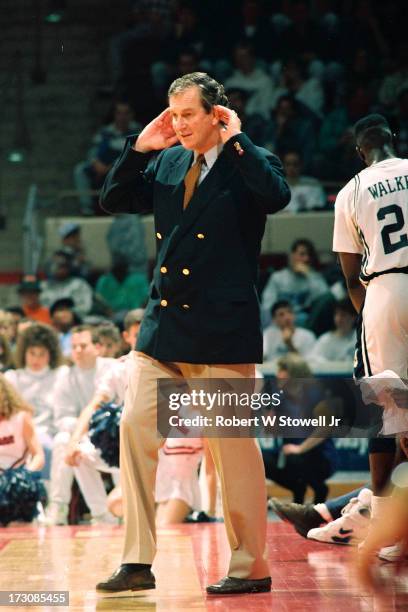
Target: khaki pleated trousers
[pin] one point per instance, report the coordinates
(238, 463)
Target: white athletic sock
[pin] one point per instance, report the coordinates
(324, 512)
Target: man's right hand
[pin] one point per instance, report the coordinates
(158, 134)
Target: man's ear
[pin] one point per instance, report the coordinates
(215, 120)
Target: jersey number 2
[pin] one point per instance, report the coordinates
(387, 230)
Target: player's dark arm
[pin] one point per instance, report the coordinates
(128, 186)
(262, 172)
(351, 266)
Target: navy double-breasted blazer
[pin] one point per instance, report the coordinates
(203, 305)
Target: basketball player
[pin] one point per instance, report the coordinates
(371, 238)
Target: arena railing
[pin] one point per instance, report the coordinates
(32, 239)
(64, 203)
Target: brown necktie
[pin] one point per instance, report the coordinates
(191, 180)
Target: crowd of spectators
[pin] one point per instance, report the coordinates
(299, 72)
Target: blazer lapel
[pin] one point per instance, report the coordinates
(219, 174)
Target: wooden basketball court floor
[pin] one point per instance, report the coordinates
(307, 576)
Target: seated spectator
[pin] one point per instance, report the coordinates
(283, 337)
(63, 284)
(336, 158)
(113, 384)
(253, 125)
(252, 79)
(80, 452)
(306, 192)
(107, 144)
(300, 284)
(122, 290)
(21, 459)
(6, 356)
(291, 129)
(107, 340)
(70, 233)
(18, 314)
(64, 318)
(131, 326)
(38, 361)
(75, 390)
(304, 460)
(126, 242)
(29, 291)
(295, 82)
(337, 345)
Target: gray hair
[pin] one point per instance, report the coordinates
(211, 91)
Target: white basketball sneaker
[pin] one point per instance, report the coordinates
(56, 514)
(391, 553)
(351, 527)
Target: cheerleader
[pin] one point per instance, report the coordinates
(21, 459)
(177, 490)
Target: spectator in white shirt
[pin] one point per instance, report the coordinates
(81, 454)
(295, 81)
(75, 390)
(339, 344)
(283, 337)
(248, 77)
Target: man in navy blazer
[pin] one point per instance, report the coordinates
(202, 319)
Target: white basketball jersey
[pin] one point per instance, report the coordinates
(371, 218)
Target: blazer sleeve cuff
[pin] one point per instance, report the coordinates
(239, 145)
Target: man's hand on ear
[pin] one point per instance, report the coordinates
(158, 134)
(230, 123)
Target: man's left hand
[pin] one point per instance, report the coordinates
(230, 120)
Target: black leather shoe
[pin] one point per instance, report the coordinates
(302, 516)
(237, 586)
(124, 580)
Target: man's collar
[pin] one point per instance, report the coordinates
(211, 155)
